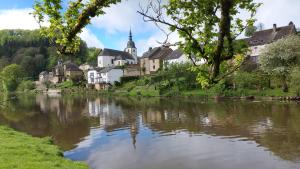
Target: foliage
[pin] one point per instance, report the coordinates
(20, 151)
(93, 54)
(32, 51)
(66, 84)
(280, 57)
(208, 29)
(67, 23)
(26, 85)
(254, 80)
(295, 80)
(126, 79)
(11, 76)
(249, 31)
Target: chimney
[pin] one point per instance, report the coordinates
(291, 24)
(274, 27)
(150, 48)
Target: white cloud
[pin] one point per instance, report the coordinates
(90, 39)
(17, 19)
(121, 17)
(279, 12)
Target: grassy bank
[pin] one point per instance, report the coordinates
(21, 151)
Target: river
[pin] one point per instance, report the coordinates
(163, 133)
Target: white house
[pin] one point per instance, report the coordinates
(260, 39)
(176, 57)
(111, 57)
(107, 75)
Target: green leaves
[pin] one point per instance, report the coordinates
(66, 23)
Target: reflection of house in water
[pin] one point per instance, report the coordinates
(66, 110)
(113, 117)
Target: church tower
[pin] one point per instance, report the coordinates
(131, 47)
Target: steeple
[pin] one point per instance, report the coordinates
(130, 43)
(130, 35)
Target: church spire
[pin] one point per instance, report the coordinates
(130, 35)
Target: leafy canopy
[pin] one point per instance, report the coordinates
(280, 57)
(66, 23)
(11, 76)
(208, 29)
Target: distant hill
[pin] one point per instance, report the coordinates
(34, 52)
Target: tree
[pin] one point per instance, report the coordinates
(208, 29)
(66, 23)
(260, 26)
(11, 76)
(280, 57)
(249, 31)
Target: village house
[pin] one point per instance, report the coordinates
(102, 78)
(153, 59)
(111, 57)
(260, 39)
(178, 57)
(132, 70)
(61, 72)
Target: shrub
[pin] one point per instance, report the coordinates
(295, 80)
(126, 79)
(66, 84)
(26, 85)
(11, 76)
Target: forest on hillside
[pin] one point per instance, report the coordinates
(35, 53)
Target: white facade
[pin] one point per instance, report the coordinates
(93, 77)
(105, 61)
(133, 52)
(181, 60)
(111, 76)
(255, 51)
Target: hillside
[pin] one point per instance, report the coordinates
(34, 52)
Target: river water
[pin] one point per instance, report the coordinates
(163, 133)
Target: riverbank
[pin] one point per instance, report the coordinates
(21, 151)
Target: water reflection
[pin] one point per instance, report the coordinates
(163, 133)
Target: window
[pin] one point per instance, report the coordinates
(92, 75)
(112, 61)
(153, 66)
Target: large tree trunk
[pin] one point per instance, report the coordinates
(224, 27)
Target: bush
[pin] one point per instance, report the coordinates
(295, 80)
(66, 84)
(126, 79)
(11, 77)
(254, 80)
(26, 86)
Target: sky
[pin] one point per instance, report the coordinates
(111, 30)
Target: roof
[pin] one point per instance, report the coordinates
(112, 52)
(270, 35)
(104, 69)
(44, 73)
(130, 43)
(157, 53)
(175, 54)
(70, 66)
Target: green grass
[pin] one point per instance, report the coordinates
(21, 151)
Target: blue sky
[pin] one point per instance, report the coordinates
(111, 30)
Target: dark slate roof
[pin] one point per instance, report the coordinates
(157, 53)
(175, 54)
(112, 52)
(70, 66)
(43, 73)
(270, 35)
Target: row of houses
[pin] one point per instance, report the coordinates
(114, 64)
